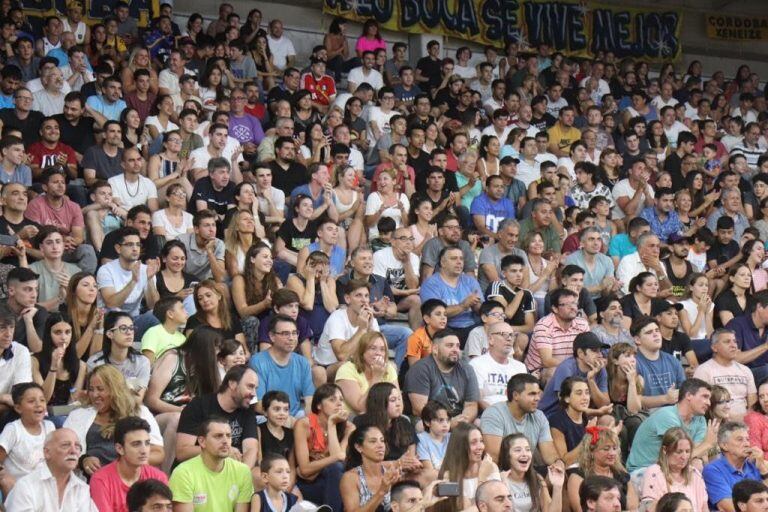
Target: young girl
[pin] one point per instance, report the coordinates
(276, 475)
(433, 442)
(21, 442)
(57, 368)
(568, 423)
(529, 490)
(231, 353)
(696, 317)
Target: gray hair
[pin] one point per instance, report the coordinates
(359, 249)
(507, 223)
(727, 192)
(645, 237)
(281, 121)
(728, 428)
(588, 231)
(720, 332)
(218, 163)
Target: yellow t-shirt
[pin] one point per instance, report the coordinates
(347, 371)
(563, 137)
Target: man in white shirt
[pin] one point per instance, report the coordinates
(646, 259)
(219, 145)
(601, 87)
(50, 99)
(283, 52)
(528, 168)
(494, 368)
(365, 73)
(131, 187)
(633, 193)
(271, 200)
(400, 267)
(665, 99)
(745, 110)
(54, 486)
(672, 127)
(345, 327)
(169, 78)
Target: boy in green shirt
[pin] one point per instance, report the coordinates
(160, 338)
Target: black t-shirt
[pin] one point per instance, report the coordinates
(443, 97)
(526, 304)
(727, 301)
(216, 200)
(630, 308)
(150, 247)
(678, 283)
(295, 239)
(421, 167)
(79, 137)
(287, 180)
(229, 334)
(277, 93)
(396, 448)
(678, 346)
(673, 165)
(271, 444)
(201, 408)
(8, 228)
(20, 331)
(429, 68)
(722, 253)
(29, 127)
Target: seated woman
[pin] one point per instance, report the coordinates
(174, 219)
(641, 299)
(368, 365)
(119, 353)
(252, 291)
(673, 473)
(296, 232)
(108, 400)
(56, 367)
(736, 299)
(171, 280)
(600, 455)
(321, 440)
(241, 234)
(568, 423)
(467, 463)
(386, 201)
(625, 387)
(366, 484)
(529, 488)
(214, 310)
(697, 315)
(179, 375)
(316, 289)
(86, 318)
(385, 410)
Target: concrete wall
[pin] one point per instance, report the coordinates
(305, 25)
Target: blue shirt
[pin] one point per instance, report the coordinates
(568, 368)
(110, 111)
(493, 211)
(435, 288)
(295, 378)
(659, 375)
(748, 337)
(660, 228)
(21, 174)
(6, 101)
(740, 222)
(621, 246)
(428, 449)
(720, 477)
(603, 268)
(338, 257)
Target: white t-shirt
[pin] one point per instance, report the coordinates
(382, 122)
(692, 309)
(624, 189)
(374, 78)
(202, 156)
(132, 194)
(281, 49)
(659, 102)
(492, 377)
(112, 275)
(465, 72)
(278, 197)
(528, 173)
(568, 164)
(337, 327)
(154, 121)
(159, 218)
(373, 204)
(386, 265)
(25, 450)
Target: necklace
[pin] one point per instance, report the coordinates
(138, 185)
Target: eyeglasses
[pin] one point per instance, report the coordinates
(452, 227)
(180, 193)
(124, 329)
(175, 141)
(238, 98)
(292, 334)
(25, 98)
(497, 315)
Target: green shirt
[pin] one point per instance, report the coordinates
(159, 341)
(208, 491)
(552, 240)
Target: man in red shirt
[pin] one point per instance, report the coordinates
(322, 86)
(49, 150)
(110, 483)
(252, 104)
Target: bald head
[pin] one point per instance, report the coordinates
(493, 496)
(62, 451)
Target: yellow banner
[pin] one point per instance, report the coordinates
(736, 28)
(576, 28)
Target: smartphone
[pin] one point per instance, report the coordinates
(448, 489)
(9, 240)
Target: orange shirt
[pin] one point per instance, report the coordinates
(419, 343)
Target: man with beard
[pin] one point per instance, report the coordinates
(53, 485)
(491, 257)
(75, 128)
(108, 105)
(598, 267)
(10, 80)
(49, 150)
(677, 266)
(662, 216)
(232, 403)
(610, 315)
(448, 235)
(444, 378)
(139, 217)
(214, 480)
(104, 161)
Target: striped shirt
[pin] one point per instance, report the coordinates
(750, 153)
(549, 334)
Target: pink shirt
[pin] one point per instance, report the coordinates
(758, 429)
(108, 491)
(655, 486)
(736, 378)
(548, 334)
(65, 218)
(369, 45)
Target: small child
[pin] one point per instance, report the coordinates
(231, 353)
(157, 340)
(276, 476)
(711, 164)
(420, 342)
(433, 442)
(22, 440)
(386, 227)
(701, 241)
(275, 436)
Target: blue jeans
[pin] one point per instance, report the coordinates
(324, 490)
(397, 339)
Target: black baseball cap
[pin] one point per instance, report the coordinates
(661, 306)
(588, 340)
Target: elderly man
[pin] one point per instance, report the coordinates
(731, 206)
(738, 461)
(542, 220)
(494, 368)
(646, 259)
(53, 485)
(50, 99)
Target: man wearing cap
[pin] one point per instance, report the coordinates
(723, 370)
(322, 86)
(588, 362)
(515, 190)
(673, 341)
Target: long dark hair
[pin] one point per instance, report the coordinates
(71, 304)
(199, 353)
(697, 196)
(324, 392)
(70, 360)
(396, 430)
(354, 457)
(531, 478)
(110, 319)
(256, 290)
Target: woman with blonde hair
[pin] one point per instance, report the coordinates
(600, 454)
(368, 365)
(243, 232)
(673, 473)
(108, 400)
(139, 59)
(349, 205)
